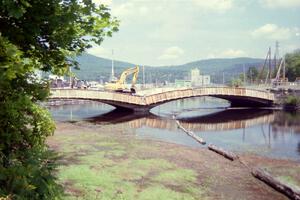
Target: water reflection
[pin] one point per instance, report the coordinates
(79, 111)
(266, 132)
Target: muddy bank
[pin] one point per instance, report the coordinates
(111, 162)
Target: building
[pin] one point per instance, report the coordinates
(183, 83)
(197, 79)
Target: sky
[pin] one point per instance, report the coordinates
(172, 32)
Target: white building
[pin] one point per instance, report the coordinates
(197, 79)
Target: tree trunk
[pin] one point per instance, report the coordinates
(264, 176)
(226, 154)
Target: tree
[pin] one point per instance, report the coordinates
(38, 35)
(236, 82)
(252, 74)
(293, 65)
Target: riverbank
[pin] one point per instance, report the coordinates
(111, 162)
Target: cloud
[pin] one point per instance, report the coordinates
(99, 51)
(231, 53)
(280, 3)
(171, 53)
(105, 2)
(228, 53)
(273, 32)
(214, 5)
(124, 9)
(130, 9)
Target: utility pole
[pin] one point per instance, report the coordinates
(150, 77)
(283, 71)
(223, 78)
(244, 74)
(143, 76)
(276, 54)
(112, 63)
(270, 65)
(70, 71)
(251, 77)
(269, 68)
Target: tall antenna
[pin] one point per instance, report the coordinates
(112, 77)
(143, 76)
(276, 54)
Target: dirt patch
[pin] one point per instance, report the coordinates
(115, 160)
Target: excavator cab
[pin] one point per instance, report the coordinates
(132, 90)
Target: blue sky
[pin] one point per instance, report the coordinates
(171, 32)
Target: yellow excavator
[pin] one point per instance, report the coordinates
(119, 84)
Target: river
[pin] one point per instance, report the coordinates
(260, 131)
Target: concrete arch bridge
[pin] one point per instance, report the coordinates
(147, 99)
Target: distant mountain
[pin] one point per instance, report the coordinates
(97, 68)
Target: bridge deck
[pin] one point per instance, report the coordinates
(148, 100)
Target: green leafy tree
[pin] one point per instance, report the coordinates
(236, 82)
(38, 35)
(293, 65)
(252, 74)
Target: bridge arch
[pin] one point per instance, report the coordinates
(239, 97)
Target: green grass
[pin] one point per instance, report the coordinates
(111, 167)
(289, 181)
(161, 192)
(178, 176)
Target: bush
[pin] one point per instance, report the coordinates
(292, 101)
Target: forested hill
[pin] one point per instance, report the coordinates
(96, 68)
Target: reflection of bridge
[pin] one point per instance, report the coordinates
(201, 126)
(239, 97)
(223, 120)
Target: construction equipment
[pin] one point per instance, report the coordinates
(119, 84)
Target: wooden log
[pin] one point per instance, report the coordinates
(197, 138)
(226, 154)
(264, 176)
(191, 134)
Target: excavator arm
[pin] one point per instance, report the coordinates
(119, 85)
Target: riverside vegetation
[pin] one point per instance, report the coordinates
(38, 35)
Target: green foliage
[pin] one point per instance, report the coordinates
(24, 128)
(52, 31)
(293, 65)
(40, 35)
(252, 74)
(292, 101)
(236, 82)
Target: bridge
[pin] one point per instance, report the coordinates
(145, 100)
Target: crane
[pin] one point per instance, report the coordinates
(119, 84)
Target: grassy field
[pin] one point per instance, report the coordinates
(110, 162)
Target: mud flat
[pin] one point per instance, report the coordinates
(111, 162)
